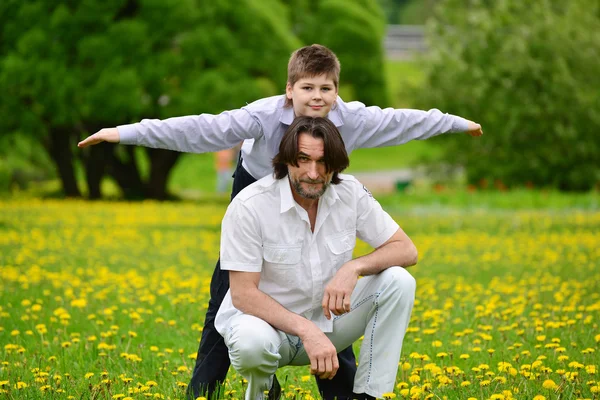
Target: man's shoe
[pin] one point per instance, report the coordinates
(275, 391)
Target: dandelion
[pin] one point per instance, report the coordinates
(465, 383)
(549, 384)
(389, 395)
(464, 356)
(305, 378)
(590, 369)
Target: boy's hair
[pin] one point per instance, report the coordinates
(310, 61)
(335, 155)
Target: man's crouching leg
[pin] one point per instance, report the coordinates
(254, 353)
(387, 300)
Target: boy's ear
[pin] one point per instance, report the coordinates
(288, 90)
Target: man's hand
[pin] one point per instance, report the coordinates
(339, 290)
(110, 135)
(321, 353)
(474, 129)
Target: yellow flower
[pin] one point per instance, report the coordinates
(549, 384)
(590, 369)
(305, 378)
(389, 395)
(414, 379)
(539, 397)
(89, 375)
(465, 383)
(151, 383)
(437, 343)
(464, 356)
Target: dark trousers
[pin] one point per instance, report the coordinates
(212, 362)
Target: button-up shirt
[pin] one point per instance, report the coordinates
(261, 126)
(264, 230)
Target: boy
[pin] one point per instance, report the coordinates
(311, 90)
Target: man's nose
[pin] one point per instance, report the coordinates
(313, 172)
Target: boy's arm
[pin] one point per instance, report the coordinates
(193, 134)
(391, 127)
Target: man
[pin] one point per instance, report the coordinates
(287, 241)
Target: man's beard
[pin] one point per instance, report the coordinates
(297, 184)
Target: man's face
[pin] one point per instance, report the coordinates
(310, 178)
(312, 97)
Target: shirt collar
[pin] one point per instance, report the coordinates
(287, 199)
(287, 116)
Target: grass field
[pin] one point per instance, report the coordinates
(106, 300)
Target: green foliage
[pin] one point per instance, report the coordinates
(528, 72)
(102, 63)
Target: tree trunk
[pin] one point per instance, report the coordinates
(95, 166)
(60, 151)
(126, 173)
(161, 164)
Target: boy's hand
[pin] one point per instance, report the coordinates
(474, 129)
(110, 135)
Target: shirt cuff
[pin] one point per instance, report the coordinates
(460, 124)
(242, 267)
(127, 134)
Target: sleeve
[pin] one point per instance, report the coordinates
(373, 226)
(241, 243)
(391, 127)
(195, 133)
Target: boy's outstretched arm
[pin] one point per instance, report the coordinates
(195, 133)
(377, 127)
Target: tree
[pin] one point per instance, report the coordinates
(528, 71)
(69, 68)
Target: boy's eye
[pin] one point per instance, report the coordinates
(306, 88)
(326, 89)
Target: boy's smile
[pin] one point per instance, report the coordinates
(312, 96)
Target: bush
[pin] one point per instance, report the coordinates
(528, 72)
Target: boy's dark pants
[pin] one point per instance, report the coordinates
(212, 362)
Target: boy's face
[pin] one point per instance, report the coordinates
(312, 97)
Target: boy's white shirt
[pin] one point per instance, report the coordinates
(261, 126)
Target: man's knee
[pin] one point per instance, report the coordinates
(400, 280)
(252, 345)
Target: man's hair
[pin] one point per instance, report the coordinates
(335, 156)
(310, 61)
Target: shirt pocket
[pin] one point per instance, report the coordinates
(341, 246)
(282, 263)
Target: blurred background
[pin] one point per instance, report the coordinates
(527, 71)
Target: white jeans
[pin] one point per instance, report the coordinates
(381, 308)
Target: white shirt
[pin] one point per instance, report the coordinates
(262, 124)
(264, 230)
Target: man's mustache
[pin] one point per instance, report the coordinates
(311, 181)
